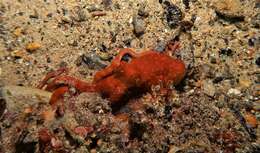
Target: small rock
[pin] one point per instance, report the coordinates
(33, 46)
(234, 91)
(257, 61)
(35, 14)
(142, 11)
(91, 60)
(139, 26)
(105, 56)
(160, 47)
(226, 51)
(245, 82)
(186, 3)
(197, 53)
(107, 3)
(229, 10)
(251, 120)
(256, 21)
(80, 14)
(252, 41)
(66, 19)
(209, 88)
(83, 131)
(256, 105)
(18, 53)
(18, 32)
(93, 8)
(174, 149)
(172, 13)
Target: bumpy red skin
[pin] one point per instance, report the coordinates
(144, 70)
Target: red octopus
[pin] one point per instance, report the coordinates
(119, 79)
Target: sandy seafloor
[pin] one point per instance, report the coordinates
(217, 108)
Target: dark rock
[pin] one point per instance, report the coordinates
(2, 104)
(218, 79)
(139, 26)
(251, 42)
(168, 112)
(107, 3)
(26, 142)
(186, 25)
(257, 4)
(230, 18)
(90, 60)
(137, 130)
(172, 13)
(226, 51)
(186, 3)
(257, 61)
(256, 21)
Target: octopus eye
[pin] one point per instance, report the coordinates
(127, 58)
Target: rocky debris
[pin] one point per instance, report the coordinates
(229, 10)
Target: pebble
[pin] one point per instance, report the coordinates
(257, 61)
(139, 26)
(245, 82)
(209, 88)
(18, 32)
(226, 51)
(234, 91)
(251, 120)
(197, 53)
(66, 18)
(18, 54)
(107, 3)
(186, 3)
(105, 56)
(256, 105)
(256, 21)
(31, 47)
(160, 47)
(143, 12)
(252, 41)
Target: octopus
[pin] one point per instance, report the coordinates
(122, 79)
